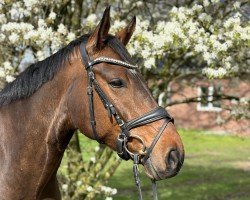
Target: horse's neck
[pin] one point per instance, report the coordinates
(36, 133)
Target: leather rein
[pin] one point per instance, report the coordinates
(122, 140)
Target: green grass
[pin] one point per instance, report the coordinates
(213, 170)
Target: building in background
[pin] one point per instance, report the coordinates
(208, 113)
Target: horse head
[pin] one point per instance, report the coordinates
(122, 112)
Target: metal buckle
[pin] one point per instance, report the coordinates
(89, 90)
(91, 75)
(122, 123)
(120, 143)
(112, 109)
(90, 64)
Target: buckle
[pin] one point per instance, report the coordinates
(112, 109)
(122, 153)
(122, 123)
(91, 75)
(89, 90)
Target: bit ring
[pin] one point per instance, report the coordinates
(141, 152)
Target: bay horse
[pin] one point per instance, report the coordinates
(73, 89)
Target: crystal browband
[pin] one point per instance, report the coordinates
(112, 61)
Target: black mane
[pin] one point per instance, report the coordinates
(29, 81)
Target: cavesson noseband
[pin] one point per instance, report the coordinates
(152, 116)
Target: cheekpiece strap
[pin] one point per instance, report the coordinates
(84, 54)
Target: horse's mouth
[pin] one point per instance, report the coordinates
(153, 173)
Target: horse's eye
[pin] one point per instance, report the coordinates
(116, 83)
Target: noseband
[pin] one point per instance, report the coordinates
(122, 140)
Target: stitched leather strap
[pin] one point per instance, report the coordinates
(150, 149)
(154, 115)
(84, 54)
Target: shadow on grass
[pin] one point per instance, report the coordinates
(192, 183)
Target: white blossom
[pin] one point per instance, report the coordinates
(91, 19)
(2, 19)
(215, 73)
(17, 27)
(40, 55)
(244, 100)
(139, 3)
(150, 62)
(41, 23)
(114, 191)
(206, 3)
(236, 4)
(89, 189)
(200, 48)
(1, 4)
(93, 159)
(56, 44)
(197, 8)
(205, 17)
(62, 29)
(30, 3)
(2, 73)
(2, 37)
(97, 148)
(215, 1)
(13, 38)
(79, 183)
(52, 15)
(108, 190)
(64, 186)
(7, 65)
(71, 36)
(9, 78)
(31, 35)
(28, 59)
(14, 13)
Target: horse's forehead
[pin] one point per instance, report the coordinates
(107, 51)
(110, 53)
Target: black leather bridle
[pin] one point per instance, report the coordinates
(122, 140)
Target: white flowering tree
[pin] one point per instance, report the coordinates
(173, 40)
(212, 36)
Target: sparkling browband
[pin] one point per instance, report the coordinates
(112, 61)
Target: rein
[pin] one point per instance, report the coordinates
(122, 140)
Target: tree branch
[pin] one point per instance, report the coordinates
(198, 99)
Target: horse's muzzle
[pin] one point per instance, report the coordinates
(174, 160)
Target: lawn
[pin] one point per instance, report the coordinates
(216, 167)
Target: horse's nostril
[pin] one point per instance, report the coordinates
(172, 159)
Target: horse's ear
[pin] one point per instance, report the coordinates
(126, 33)
(97, 38)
